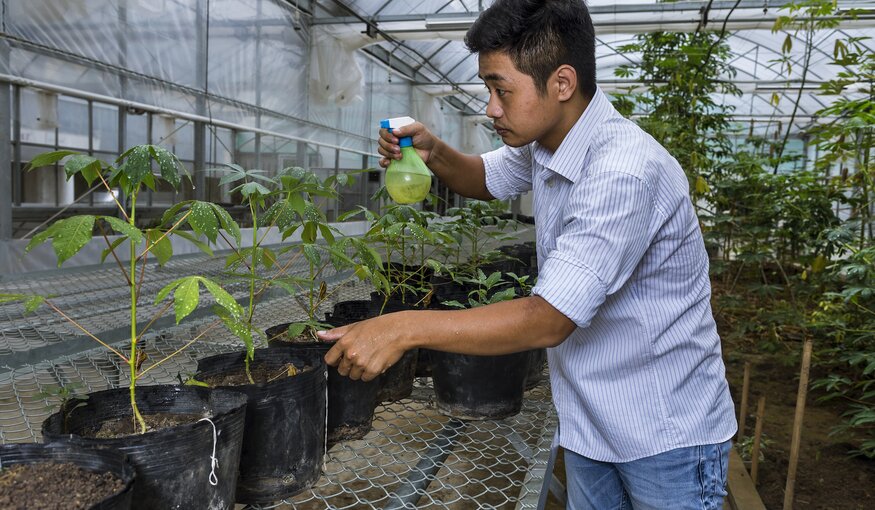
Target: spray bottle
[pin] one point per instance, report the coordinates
(408, 180)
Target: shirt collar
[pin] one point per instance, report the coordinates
(567, 161)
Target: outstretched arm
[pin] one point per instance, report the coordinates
(366, 349)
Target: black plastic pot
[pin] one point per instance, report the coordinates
(90, 459)
(446, 289)
(173, 465)
(535, 374)
(397, 382)
(353, 310)
(284, 440)
(479, 387)
(350, 403)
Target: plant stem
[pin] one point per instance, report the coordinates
(253, 210)
(132, 360)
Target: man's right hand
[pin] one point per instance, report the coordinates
(423, 141)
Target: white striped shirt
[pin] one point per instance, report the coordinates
(621, 254)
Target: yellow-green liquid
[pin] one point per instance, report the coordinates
(407, 188)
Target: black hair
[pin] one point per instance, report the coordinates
(539, 36)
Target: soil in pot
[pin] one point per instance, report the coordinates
(284, 442)
(63, 477)
(121, 427)
(350, 403)
(479, 387)
(49, 485)
(176, 467)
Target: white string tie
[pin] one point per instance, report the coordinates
(214, 462)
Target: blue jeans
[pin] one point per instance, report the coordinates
(685, 478)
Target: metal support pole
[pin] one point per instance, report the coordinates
(5, 150)
(200, 129)
(258, 11)
(16, 150)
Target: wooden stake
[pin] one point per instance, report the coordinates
(757, 435)
(742, 412)
(797, 425)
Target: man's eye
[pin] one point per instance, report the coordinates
(500, 92)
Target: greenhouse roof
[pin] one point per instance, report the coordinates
(423, 39)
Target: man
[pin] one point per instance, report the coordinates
(623, 296)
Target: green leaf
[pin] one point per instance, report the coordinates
(88, 166)
(186, 297)
(38, 239)
(237, 173)
(419, 232)
(702, 185)
(492, 279)
(281, 214)
(788, 44)
(70, 235)
(123, 227)
(296, 329)
(168, 164)
(776, 99)
(161, 247)
(32, 303)
(204, 247)
(112, 246)
(251, 189)
(203, 220)
(313, 213)
(308, 235)
(136, 166)
(311, 253)
(222, 298)
(269, 258)
(164, 292)
(238, 328)
(326, 233)
(169, 215)
(48, 158)
(227, 222)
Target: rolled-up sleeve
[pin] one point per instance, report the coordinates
(508, 171)
(610, 222)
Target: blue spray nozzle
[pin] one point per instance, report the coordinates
(397, 122)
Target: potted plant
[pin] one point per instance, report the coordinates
(350, 403)
(184, 442)
(285, 387)
(403, 282)
(471, 387)
(465, 247)
(64, 476)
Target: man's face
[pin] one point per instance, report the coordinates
(520, 114)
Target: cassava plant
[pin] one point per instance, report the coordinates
(403, 234)
(487, 289)
(470, 234)
(192, 220)
(293, 209)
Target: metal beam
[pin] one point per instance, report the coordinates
(124, 103)
(632, 19)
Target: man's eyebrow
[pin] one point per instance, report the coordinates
(492, 77)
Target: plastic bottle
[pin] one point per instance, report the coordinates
(408, 180)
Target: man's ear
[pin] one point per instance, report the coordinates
(566, 82)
